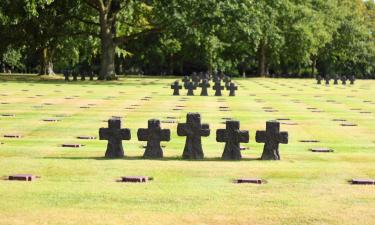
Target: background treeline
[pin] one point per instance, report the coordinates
(290, 38)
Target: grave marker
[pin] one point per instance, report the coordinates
(232, 136)
(204, 85)
(272, 137)
(232, 89)
(176, 88)
(153, 135)
(218, 88)
(194, 130)
(114, 134)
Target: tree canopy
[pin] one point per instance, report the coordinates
(239, 37)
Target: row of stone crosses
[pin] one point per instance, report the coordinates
(196, 81)
(194, 130)
(336, 79)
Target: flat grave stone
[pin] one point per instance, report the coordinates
(356, 109)
(8, 115)
(86, 137)
(317, 111)
(271, 110)
(22, 177)
(177, 109)
(136, 179)
(12, 135)
(349, 125)
(5, 103)
(365, 112)
(249, 181)
(169, 121)
(130, 108)
(283, 119)
(309, 141)
(339, 120)
(362, 181)
(172, 117)
(321, 150)
(51, 120)
(289, 123)
(70, 145)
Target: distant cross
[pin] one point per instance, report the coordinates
(272, 137)
(66, 75)
(176, 88)
(190, 87)
(319, 79)
(194, 131)
(327, 79)
(204, 85)
(114, 134)
(153, 135)
(218, 88)
(196, 79)
(343, 80)
(232, 136)
(186, 81)
(352, 80)
(227, 81)
(336, 80)
(75, 75)
(232, 89)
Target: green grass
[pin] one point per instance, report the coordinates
(77, 186)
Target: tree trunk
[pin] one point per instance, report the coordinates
(46, 64)
(262, 59)
(108, 48)
(313, 67)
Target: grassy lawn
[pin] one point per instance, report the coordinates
(77, 186)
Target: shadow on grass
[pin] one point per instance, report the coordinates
(130, 158)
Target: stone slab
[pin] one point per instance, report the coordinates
(249, 181)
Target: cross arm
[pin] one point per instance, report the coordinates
(142, 134)
(165, 135)
(205, 131)
(125, 134)
(284, 137)
(103, 134)
(221, 135)
(260, 136)
(182, 129)
(244, 136)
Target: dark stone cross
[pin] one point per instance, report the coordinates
(217, 87)
(190, 87)
(204, 85)
(153, 135)
(114, 134)
(336, 80)
(194, 130)
(176, 88)
(319, 79)
(327, 79)
(232, 89)
(66, 75)
(196, 79)
(352, 80)
(232, 136)
(227, 81)
(75, 75)
(343, 80)
(186, 81)
(272, 137)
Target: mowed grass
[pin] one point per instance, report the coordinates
(78, 186)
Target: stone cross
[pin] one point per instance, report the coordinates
(153, 135)
(232, 136)
(114, 134)
(327, 79)
(227, 81)
(204, 85)
(319, 79)
(75, 75)
(176, 88)
(195, 78)
(343, 80)
(272, 137)
(336, 80)
(66, 75)
(352, 80)
(217, 87)
(232, 89)
(186, 81)
(92, 75)
(194, 130)
(191, 87)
